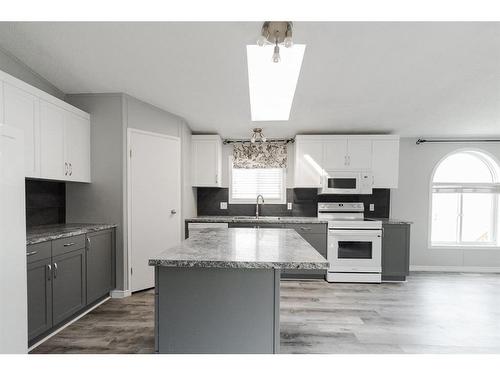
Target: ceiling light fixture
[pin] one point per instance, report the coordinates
(276, 32)
(257, 136)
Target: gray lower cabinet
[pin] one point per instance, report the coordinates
(68, 285)
(39, 297)
(99, 264)
(65, 276)
(395, 251)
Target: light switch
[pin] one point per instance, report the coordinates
(223, 205)
(289, 206)
(372, 207)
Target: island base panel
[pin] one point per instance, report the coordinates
(216, 310)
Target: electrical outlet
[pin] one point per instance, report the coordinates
(223, 205)
(372, 207)
(289, 206)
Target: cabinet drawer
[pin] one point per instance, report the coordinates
(308, 228)
(38, 251)
(65, 245)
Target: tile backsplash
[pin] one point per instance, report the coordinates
(304, 203)
(45, 202)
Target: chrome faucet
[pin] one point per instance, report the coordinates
(257, 205)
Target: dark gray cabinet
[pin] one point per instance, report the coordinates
(65, 276)
(39, 297)
(68, 285)
(395, 251)
(99, 264)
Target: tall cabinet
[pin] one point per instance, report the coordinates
(56, 134)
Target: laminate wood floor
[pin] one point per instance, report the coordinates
(431, 313)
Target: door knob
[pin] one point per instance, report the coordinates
(173, 212)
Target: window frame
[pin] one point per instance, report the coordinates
(232, 200)
(495, 243)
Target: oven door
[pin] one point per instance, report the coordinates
(355, 250)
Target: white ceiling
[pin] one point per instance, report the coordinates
(412, 79)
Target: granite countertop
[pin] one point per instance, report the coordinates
(261, 219)
(242, 248)
(385, 220)
(44, 233)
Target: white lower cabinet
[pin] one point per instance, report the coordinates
(21, 110)
(56, 134)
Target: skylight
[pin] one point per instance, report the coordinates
(272, 85)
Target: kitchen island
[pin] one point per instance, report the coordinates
(218, 291)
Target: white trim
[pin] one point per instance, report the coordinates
(38, 343)
(128, 211)
(120, 293)
(465, 269)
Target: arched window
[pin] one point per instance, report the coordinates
(465, 205)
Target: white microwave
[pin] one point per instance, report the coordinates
(341, 182)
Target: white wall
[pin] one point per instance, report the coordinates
(411, 202)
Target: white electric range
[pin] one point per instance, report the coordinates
(354, 243)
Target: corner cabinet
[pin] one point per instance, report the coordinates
(206, 160)
(56, 134)
(315, 155)
(395, 251)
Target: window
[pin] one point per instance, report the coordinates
(246, 184)
(464, 204)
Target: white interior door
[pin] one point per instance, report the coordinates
(154, 201)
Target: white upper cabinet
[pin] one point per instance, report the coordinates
(359, 153)
(21, 111)
(308, 162)
(56, 134)
(335, 153)
(316, 155)
(52, 142)
(385, 162)
(77, 147)
(206, 160)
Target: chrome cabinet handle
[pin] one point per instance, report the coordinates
(173, 212)
(65, 168)
(216, 178)
(70, 169)
(305, 228)
(69, 244)
(55, 270)
(49, 268)
(88, 241)
(32, 253)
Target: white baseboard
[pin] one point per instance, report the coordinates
(67, 324)
(120, 293)
(456, 269)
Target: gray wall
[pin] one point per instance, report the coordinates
(102, 200)
(105, 199)
(411, 202)
(11, 65)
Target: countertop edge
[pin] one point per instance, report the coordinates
(78, 231)
(262, 220)
(242, 265)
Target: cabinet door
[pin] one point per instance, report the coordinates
(21, 110)
(206, 161)
(359, 153)
(77, 147)
(1, 103)
(99, 264)
(52, 141)
(395, 251)
(335, 154)
(39, 297)
(308, 164)
(385, 161)
(68, 285)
